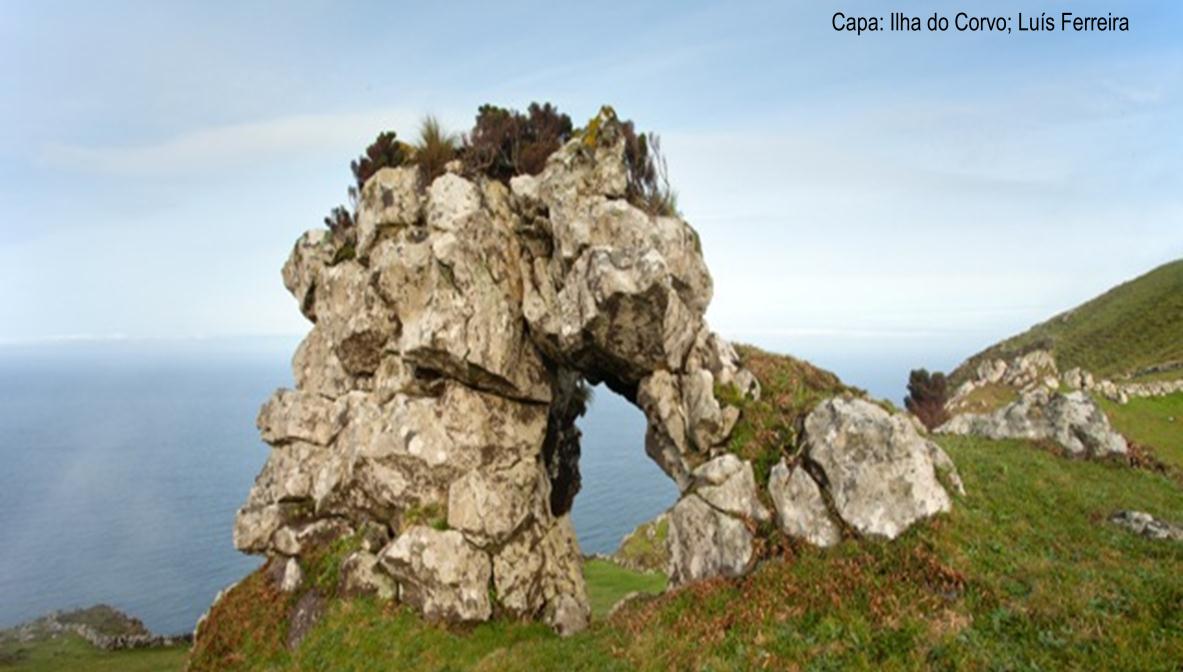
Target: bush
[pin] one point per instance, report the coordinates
(504, 143)
(927, 394)
(385, 152)
(340, 221)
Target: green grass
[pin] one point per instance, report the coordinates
(789, 389)
(1156, 422)
(987, 398)
(644, 551)
(1169, 374)
(1024, 574)
(72, 653)
(1134, 325)
(607, 582)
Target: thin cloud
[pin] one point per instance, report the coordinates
(231, 145)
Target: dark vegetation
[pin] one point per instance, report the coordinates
(927, 394)
(504, 143)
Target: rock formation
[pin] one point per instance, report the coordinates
(1041, 411)
(861, 467)
(1072, 420)
(436, 394)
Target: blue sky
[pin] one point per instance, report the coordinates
(157, 160)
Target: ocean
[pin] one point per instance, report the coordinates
(122, 464)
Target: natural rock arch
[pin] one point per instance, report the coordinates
(436, 394)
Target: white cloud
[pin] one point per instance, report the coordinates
(219, 147)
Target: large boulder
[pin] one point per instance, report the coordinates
(801, 510)
(879, 472)
(706, 542)
(727, 483)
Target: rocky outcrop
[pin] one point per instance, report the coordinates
(862, 468)
(1040, 411)
(1032, 368)
(453, 339)
(436, 393)
(1072, 420)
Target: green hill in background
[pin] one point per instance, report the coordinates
(1136, 325)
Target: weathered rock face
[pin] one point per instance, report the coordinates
(1072, 420)
(435, 396)
(706, 542)
(863, 467)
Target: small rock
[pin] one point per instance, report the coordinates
(801, 510)
(1142, 523)
(361, 575)
(293, 576)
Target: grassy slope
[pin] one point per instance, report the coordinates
(1133, 325)
(789, 390)
(607, 582)
(71, 652)
(1024, 574)
(1156, 422)
(644, 551)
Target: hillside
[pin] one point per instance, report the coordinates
(1006, 581)
(1025, 574)
(1135, 325)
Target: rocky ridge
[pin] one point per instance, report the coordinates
(436, 393)
(1041, 412)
